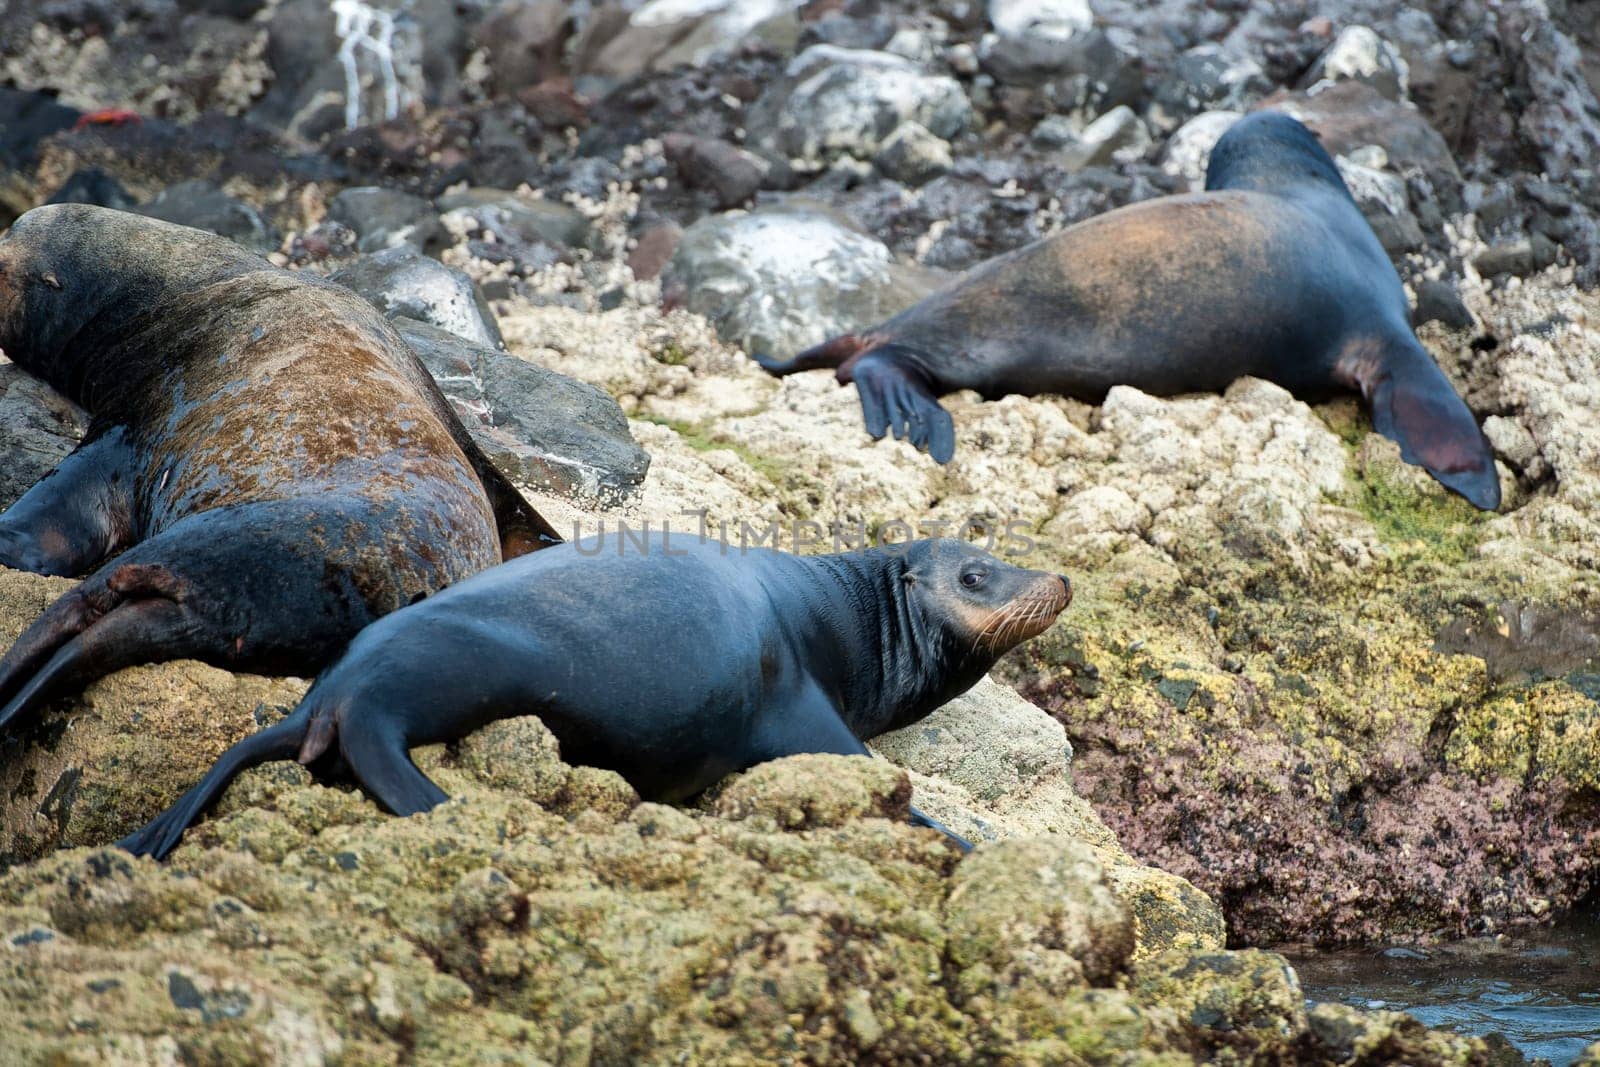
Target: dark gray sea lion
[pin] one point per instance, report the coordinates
(268, 468)
(1271, 272)
(674, 666)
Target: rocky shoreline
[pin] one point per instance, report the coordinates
(1302, 694)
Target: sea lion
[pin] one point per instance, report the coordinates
(674, 666)
(267, 469)
(1271, 272)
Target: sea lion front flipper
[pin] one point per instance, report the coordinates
(161, 835)
(1414, 405)
(896, 397)
(75, 517)
(922, 818)
(379, 760)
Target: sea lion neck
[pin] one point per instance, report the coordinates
(895, 664)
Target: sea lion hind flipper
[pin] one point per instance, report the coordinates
(129, 634)
(1415, 406)
(896, 397)
(832, 353)
(280, 741)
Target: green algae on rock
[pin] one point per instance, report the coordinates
(496, 929)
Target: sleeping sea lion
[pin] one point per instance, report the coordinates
(267, 469)
(1271, 272)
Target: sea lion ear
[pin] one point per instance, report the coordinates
(49, 278)
(909, 578)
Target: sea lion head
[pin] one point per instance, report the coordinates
(1270, 152)
(984, 606)
(65, 268)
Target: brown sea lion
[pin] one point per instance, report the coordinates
(268, 468)
(1271, 272)
(790, 654)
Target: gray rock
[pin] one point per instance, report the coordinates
(513, 217)
(781, 280)
(204, 206)
(913, 155)
(91, 185)
(1054, 131)
(1520, 257)
(524, 41)
(1034, 43)
(1359, 54)
(387, 218)
(1119, 134)
(839, 101)
(1188, 150)
(38, 427)
(622, 40)
(541, 428)
(1382, 198)
(1207, 78)
(1438, 301)
(726, 170)
(403, 283)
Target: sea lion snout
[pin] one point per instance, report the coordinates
(995, 605)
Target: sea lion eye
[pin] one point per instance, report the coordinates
(973, 578)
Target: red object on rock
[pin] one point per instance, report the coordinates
(111, 116)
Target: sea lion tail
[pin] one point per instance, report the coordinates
(1415, 406)
(826, 356)
(280, 741)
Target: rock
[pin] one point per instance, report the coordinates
(26, 119)
(1359, 54)
(1054, 131)
(621, 41)
(403, 283)
(1511, 257)
(653, 249)
(730, 173)
(1036, 42)
(838, 101)
(91, 185)
(1438, 301)
(1560, 118)
(38, 427)
(541, 428)
(204, 206)
(1118, 135)
(817, 791)
(913, 155)
(1039, 906)
(1349, 115)
(1208, 77)
(394, 58)
(1383, 201)
(782, 280)
(125, 749)
(524, 40)
(387, 218)
(513, 217)
(1189, 148)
